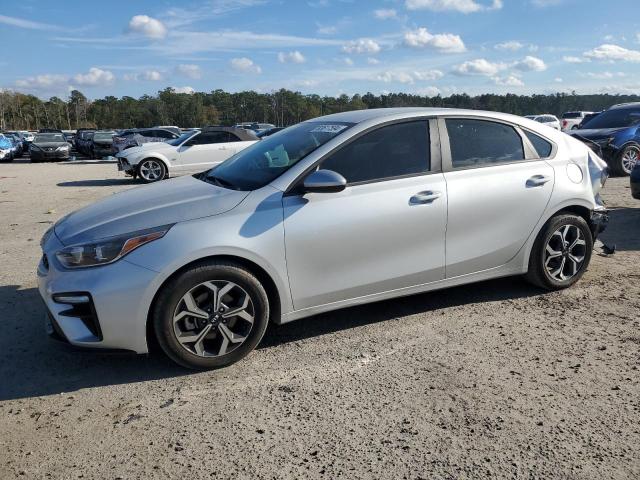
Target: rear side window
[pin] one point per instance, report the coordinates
(209, 138)
(391, 151)
(542, 146)
(163, 134)
(476, 143)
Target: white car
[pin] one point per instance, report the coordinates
(546, 119)
(192, 152)
(571, 120)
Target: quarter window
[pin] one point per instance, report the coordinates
(542, 146)
(476, 143)
(391, 151)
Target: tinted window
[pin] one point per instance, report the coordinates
(481, 142)
(231, 137)
(391, 151)
(542, 146)
(209, 138)
(572, 115)
(163, 134)
(616, 118)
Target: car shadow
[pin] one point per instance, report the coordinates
(31, 365)
(623, 230)
(99, 182)
(354, 317)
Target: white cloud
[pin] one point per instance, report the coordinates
(508, 81)
(95, 77)
(445, 42)
(511, 45)
(558, 80)
(530, 64)
(148, 26)
(429, 91)
(291, 57)
(347, 61)
(326, 29)
(373, 61)
(479, 67)
(570, 59)
(385, 13)
(546, 3)
(462, 6)
(152, 76)
(613, 53)
(185, 89)
(28, 24)
(362, 45)
(244, 64)
(43, 82)
(393, 76)
(189, 70)
(428, 75)
(606, 75)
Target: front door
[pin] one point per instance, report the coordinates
(385, 231)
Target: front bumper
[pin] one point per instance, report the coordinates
(115, 315)
(599, 221)
(49, 155)
(125, 166)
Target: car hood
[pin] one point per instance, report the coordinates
(597, 134)
(166, 202)
(49, 144)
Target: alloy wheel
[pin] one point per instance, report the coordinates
(565, 253)
(151, 170)
(629, 159)
(213, 318)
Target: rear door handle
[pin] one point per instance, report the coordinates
(538, 181)
(424, 197)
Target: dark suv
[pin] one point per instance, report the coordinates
(615, 135)
(135, 137)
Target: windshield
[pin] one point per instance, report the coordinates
(264, 161)
(103, 135)
(617, 118)
(49, 137)
(572, 115)
(182, 138)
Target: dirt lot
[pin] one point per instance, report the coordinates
(496, 379)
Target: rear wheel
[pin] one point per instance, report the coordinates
(151, 170)
(211, 315)
(561, 253)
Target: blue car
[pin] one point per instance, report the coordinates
(6, 149)
(615, 135)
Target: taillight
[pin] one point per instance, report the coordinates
(564, 123)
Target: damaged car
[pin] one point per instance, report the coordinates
(615, 135)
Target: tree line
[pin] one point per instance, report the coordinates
(19, 111)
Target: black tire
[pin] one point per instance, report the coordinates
(161, 176)
(618, 167)
(171, 295)
(538, 273)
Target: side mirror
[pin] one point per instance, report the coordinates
(325, 181)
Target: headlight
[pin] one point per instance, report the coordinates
(108, 250)
(63, 148)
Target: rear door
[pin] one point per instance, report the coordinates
(384, 232)
(498, 188)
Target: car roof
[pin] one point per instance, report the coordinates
(244, 135)
(625, 105)
(359, 116)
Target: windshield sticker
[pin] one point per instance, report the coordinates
(328, 128)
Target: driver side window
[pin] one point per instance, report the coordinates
(392, 151)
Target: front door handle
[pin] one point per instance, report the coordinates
(422, 198)
(538, 181)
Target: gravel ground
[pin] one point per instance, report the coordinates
(495, 380)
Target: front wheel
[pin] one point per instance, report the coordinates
(211, 315)
(561, 253)
(151, 170)
(626, 160)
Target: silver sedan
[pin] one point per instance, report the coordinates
(341, 210)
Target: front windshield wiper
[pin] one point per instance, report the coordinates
(220, 182)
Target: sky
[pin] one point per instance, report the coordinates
(328, 47)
